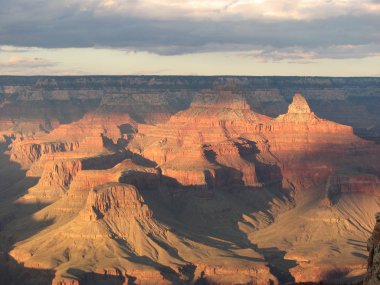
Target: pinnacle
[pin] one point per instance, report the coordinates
(299, 105)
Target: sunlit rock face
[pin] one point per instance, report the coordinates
(201, 145)
(301, 119)
(90, 135)
(33, 104)
(299, 105)
(113, 201)
(188, 187)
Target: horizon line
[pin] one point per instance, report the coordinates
(185, 75)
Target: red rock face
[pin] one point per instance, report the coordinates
(90, 135)
(110, 201)
(365, 183)
(308, 147)
(299, 105)
(196, 145)
(200, 146)
(96, 172)
(300, 130)
(27, 152)
(87, 179)
(55, 179)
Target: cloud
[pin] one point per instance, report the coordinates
(223, 9)
(12, 49)
(297, 54)
(20, 65)
(297, 29)
(17, 62)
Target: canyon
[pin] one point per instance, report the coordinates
(187, 180)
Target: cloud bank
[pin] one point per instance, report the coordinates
(299, 30)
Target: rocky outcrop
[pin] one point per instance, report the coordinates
(307, 148)
(200, 146)
(299, 105)
(346, 184)
(110, 126)
(314, 273)
(115, 219)
(112, 201)
(220, 141)
(373, 245)
(113, 277)
(27, 152)
(125, 172)
(64, 281)
(93, 134)
(238, 274)
(55, 180)
(300, 127)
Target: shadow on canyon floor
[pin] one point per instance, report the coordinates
(14, 183)
(279, 266)
(368, 134)
(13, 273)
(214, 217)
(209, 216)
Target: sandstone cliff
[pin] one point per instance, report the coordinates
(151, 99)
(119, 199)
(116, 221)
(200, 146)
(93, 134)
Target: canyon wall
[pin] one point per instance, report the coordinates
(179, 180)
(149, 99)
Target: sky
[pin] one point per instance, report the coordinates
(190, 37)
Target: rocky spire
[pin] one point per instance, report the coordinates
(298, 112)
(373, 246)
(299, 105)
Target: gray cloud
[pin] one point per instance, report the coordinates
(43, 23)
(297, 54)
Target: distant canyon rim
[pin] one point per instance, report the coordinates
(189, 180)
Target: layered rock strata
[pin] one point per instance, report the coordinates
(95, 173)
(200, 146)
(117, 222)
(91, 135)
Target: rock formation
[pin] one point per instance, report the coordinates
(363, 183)
(157, 186)
(200, 146)
(373, 245)
(299, 105)
(301, 128)
(117, 222)
(93, 134)
(35, 104)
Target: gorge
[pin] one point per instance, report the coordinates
(187, 180)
